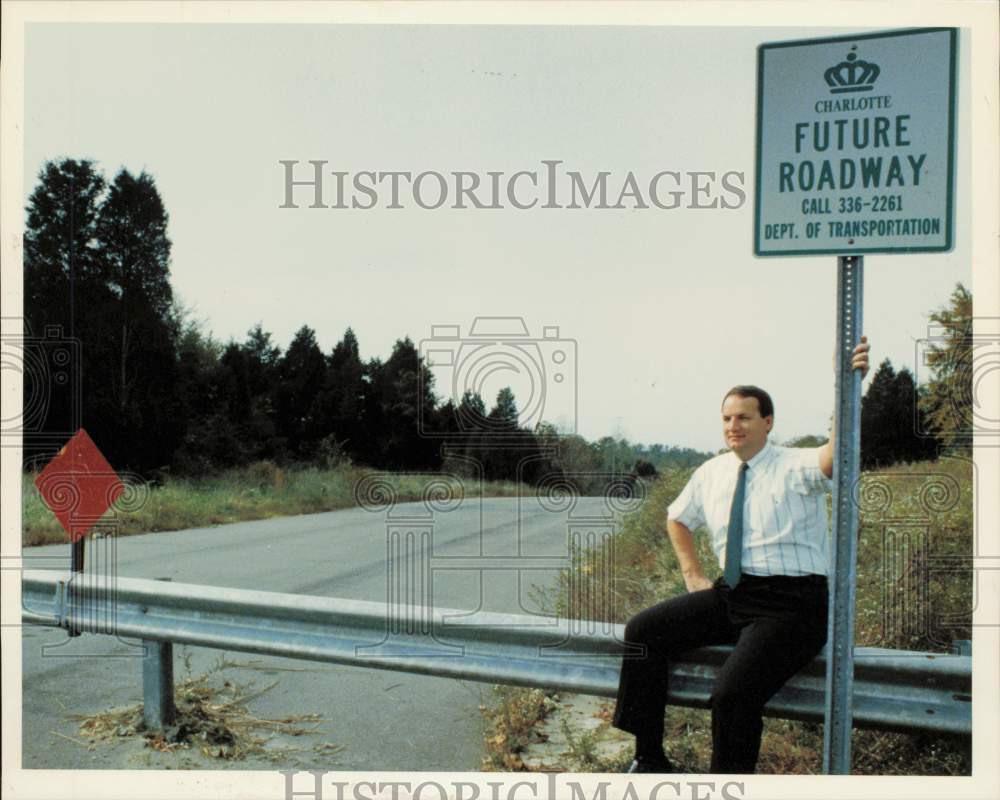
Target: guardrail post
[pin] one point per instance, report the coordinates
(158, 709)
(158, 685)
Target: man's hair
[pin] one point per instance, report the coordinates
(763, 398)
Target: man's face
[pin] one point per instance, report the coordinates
(744, 429)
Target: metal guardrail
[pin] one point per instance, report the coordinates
(894, 690)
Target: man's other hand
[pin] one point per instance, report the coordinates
(860, 359)
(697, 583)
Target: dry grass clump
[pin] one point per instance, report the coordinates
(212, 718)
(511, 726)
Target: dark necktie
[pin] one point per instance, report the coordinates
(734, 533)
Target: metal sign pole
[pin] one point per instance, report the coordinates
(78, 547)
(840, 663)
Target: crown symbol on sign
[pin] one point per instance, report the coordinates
(851, 75)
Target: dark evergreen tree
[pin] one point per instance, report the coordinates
(61, 284)
(234, 384)
(301, 374)
(463, 428)
(60, 254)
(137, 413)
(245, 383)
(263, 368)
(878, 407)
(406, 387)
(371, 450)
(503, 415)
(912, 445)
(890, 420)
(472, 412)
(340, 406)
(263, 362)
(502, 445)
(212, 439)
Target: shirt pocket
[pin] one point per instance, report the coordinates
(773, 514)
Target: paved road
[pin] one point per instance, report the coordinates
(386, 720)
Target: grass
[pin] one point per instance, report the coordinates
(258, 491)
(914, 591)
(511, 725)
(213, 719)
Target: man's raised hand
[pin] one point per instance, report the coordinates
(860, 358)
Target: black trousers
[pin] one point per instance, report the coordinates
(777, 623)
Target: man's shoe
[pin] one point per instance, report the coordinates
(657, 766)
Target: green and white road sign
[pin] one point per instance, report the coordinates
(856, 144)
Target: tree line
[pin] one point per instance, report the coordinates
(159, 393)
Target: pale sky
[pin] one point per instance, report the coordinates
(667, 308)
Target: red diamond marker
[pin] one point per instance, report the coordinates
(79, 485)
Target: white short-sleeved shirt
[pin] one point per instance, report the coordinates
(784, 512)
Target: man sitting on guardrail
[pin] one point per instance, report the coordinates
(764, 507)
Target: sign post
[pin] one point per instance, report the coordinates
(844, 553)
(855, 155)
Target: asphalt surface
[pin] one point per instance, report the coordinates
(380, 720)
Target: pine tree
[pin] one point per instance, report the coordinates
(137, 410)
(97, 265)
(60, 285)
(60, 251)
(877, 410)
(948, 401)
(472, 412)
(340, 406)
(503, 415)
(301, 374)
(890, 421)
(913, 444)
(211, 439)
(60, 258)
(405, 389)
(263, 361)
(244, 415)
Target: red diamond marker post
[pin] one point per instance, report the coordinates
(79, 485)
